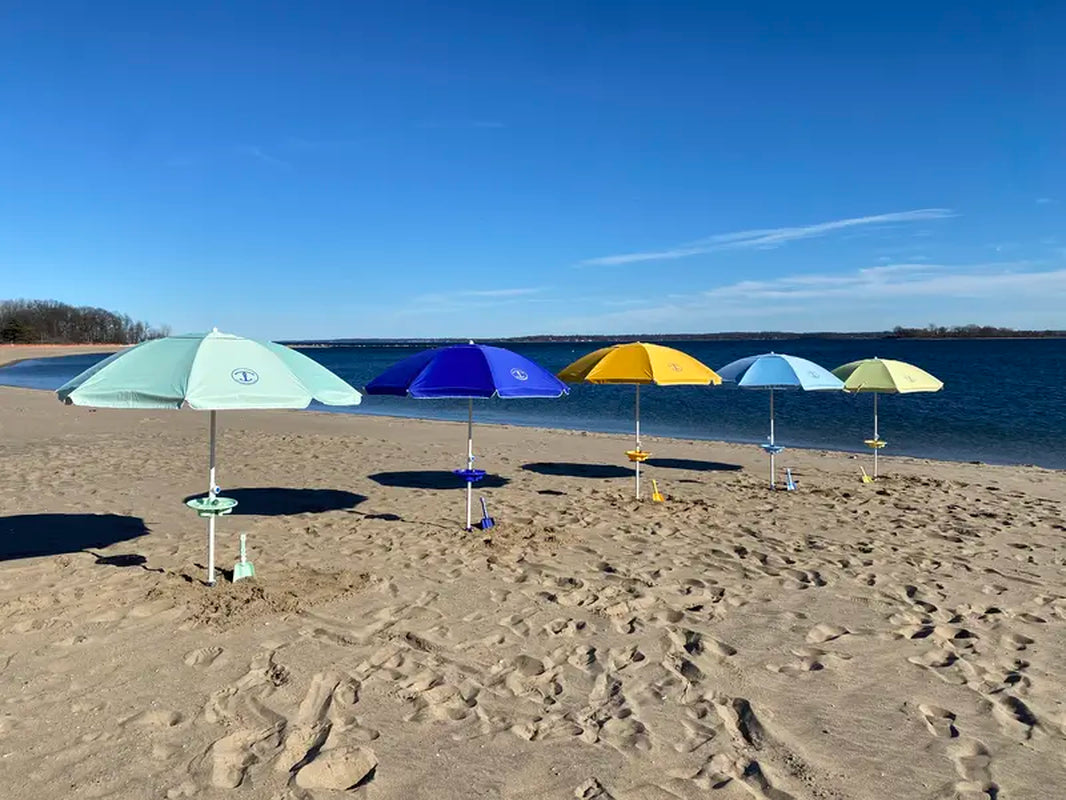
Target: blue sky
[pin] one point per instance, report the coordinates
(497, 168)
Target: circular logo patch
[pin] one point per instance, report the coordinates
(519, 375)
(675, 366)
(244, 376)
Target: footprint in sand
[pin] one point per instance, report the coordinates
(1014, 716)
(1015, 641)
(516, 625)
(939, 721)
(810, 659)
(232, 755)
(202, 657)
(740, 721)
(159, 718)
(592, 789)
(564, 627)
(823, 632)
(973, 762)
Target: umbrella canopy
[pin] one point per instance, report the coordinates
(211, 372)
(884, 375)
(467, 371)
(639, 363)
(779, 371)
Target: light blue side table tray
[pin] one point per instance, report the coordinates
(211, 507)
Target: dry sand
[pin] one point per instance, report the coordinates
(10, 353)
(905, 639)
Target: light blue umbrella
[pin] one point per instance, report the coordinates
(777, 371)
(207, 372)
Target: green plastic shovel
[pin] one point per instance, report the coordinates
(243, 568)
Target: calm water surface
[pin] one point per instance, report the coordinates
(1001, 403)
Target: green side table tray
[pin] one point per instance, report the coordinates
(211, 507)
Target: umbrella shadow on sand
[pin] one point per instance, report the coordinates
(29, 535)
(569, 470)
(433, 479)
(273, 501)
(693, 464)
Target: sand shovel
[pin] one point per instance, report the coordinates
(243, 568)
(656, 495)
(486, 521)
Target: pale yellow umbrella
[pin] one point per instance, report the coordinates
(639, 363)
(884, 375)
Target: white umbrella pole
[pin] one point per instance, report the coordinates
(638, 439)
(773, 473)
(211, 517)
(469, 458)
(875, 434)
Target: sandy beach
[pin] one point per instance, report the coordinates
(11, 353)
(903, 639)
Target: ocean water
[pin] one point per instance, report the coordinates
(1002, 400)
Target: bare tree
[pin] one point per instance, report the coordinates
(52, 322)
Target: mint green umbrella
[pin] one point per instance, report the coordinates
(208, 372)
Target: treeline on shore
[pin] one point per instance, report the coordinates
(933, 331)
(899, 332)
(52, 322)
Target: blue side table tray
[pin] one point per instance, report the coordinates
(470, 475)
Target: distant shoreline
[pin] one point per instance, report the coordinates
(710, 337)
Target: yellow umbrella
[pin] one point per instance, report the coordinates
(639, 363)
(885, 375)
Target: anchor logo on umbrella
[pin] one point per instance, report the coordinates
(245, 377)
(519, 374)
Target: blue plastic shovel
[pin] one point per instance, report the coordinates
(486, 521)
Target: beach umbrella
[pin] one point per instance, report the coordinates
(208, 372)
(467, 372)
(639, 363)
(879, 375)
(774, 371)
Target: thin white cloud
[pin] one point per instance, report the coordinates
(901, 280)
(1043, 201)
(462, 124)
(467, 299)
(438, 297)
(258, 153)
(769, 238)
(301, 143)
(867, 298)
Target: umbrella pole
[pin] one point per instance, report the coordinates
(211, 517)
(875, 434)
(469, 458)
(638, 439)
(772, 466)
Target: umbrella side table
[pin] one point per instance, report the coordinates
(211, 507)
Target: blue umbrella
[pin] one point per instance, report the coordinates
(777, 371)
(466, 371)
